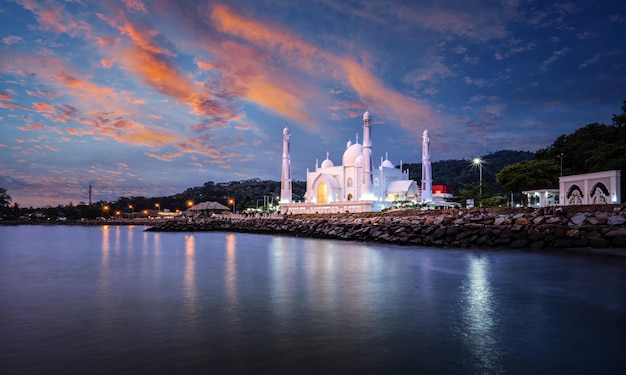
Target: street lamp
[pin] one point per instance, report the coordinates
(479, 162)
(232, 201)
(132, 209)
(157, 206)
(561, 157)
(106, 210)
(189, 203)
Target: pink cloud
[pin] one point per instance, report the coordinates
(12, 39)
(135, 6)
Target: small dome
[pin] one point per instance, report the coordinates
(366, 116)
(327, 164)
(286, 130)
(388, 164)
(350, 155)
(348, 144)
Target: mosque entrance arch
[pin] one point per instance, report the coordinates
(322, 193)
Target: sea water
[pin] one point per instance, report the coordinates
(118, 300)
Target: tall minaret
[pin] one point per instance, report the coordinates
(427, 174)
(366, 153)
(285, 184)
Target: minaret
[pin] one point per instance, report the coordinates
(285, 184)
(427, 174)
(366, 153)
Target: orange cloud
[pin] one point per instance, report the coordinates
(43, 107)
(29, 127)
(167, 157)
(5, 97)
(11, 106)
(315, 62)
(107, 63)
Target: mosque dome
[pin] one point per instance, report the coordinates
(351, 154)
(388, 164)
(366, 116)
(327, 163)
(285, 131)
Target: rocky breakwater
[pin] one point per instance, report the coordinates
(592, 232)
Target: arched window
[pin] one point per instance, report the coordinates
(600, 194)
(321, 193)
(349, 197)
(376, 182)
(349, 182)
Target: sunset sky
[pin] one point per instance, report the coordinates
(147, 98)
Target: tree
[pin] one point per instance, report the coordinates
(472, 191)
(5, 202)
(5, 198)
(529, 175)
(620, 120)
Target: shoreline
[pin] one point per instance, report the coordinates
(584, 230)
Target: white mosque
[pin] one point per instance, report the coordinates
(353, 186)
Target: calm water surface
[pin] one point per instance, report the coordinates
(80, 300)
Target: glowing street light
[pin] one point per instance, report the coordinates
(189, 203)
(479, 162)
(106, 210)
(232, 201)
(157, 206)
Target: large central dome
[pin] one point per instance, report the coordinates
(351, 154)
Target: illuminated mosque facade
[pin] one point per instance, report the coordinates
(353, 186)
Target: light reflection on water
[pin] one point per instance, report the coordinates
(479, 315)
(190, 292)
(139, 302)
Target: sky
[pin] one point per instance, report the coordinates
(148, 98)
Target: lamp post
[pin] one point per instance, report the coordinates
(157, 206)
(561, 157)
(479, 162)
(232, 201)
(106, 211)
(132, 211)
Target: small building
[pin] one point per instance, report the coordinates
(542, 197)
(208, 208)
(442, 192)
(591, 188)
